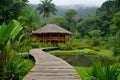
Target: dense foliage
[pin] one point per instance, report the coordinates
(98, 29)
(106, 72)
(10, 9)
(8, 34)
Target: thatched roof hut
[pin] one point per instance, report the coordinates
(52, 33)
(52, 28)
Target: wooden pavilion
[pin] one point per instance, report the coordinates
(52, 33)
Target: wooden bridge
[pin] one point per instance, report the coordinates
(49, 67)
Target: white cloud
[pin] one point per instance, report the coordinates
(72, 2)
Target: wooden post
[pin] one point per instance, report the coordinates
(58, 39)
(50, 37)
(43, 37)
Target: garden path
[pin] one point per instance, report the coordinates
(49, 67)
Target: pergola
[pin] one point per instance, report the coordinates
(52, 33)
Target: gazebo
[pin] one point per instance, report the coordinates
(52, 33)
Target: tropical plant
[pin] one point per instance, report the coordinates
(8, 34)
(14, 70)
(35, 45)
(107, 72)
(65, 46)
(23, 46)
(46, 7)
(30, 20)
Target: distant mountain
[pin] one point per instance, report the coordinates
(82, 10)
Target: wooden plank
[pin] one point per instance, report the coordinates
(49, 67)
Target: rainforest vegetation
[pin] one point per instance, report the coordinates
(98, 31)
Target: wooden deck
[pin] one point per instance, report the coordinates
(49, 67)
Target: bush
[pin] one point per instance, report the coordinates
(93, 41)
(62, 46)
(46, 44)
(65, 46)
(103, 73)
(75, 44)
(13, 70)
(116, 51)
(23, 46)
(35, 45)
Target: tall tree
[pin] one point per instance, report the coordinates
(106, 6)
(46, 7)
(61, 21)
(10, 9)
(117, 4)
(115, 26)
(70, 15)
(30, 19)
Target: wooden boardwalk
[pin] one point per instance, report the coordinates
(49, 67)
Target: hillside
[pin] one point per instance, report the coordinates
(82, 10)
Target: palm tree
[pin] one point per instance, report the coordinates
(46, 7)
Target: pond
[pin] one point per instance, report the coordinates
(83, 60)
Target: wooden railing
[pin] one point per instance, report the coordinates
(52, 39)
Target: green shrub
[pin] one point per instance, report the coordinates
(65, 46)
(35, 45)
(93, 41)
(75, 44)
(116, 51)
(13, 71)
(46, 44)
(23, 46)
(69, 45)
(62, 46)
(107, 72)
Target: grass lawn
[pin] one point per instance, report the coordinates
(82, 71)
(105, 53)
(28, 65)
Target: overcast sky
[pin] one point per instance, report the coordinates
(73, 2)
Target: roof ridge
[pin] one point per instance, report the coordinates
(52, 28)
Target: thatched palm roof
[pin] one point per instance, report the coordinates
(51, 28)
